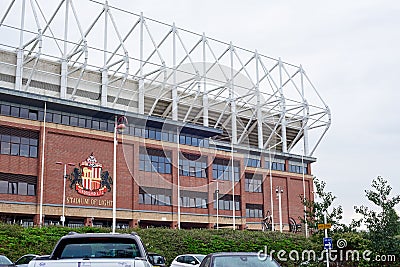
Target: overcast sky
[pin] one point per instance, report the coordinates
(349, 49)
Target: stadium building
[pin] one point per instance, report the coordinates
(120, 116)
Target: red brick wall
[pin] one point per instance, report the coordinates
(69, 144)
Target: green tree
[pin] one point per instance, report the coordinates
(316, 209)
(383, 226)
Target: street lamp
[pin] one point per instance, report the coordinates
(119, 126)
(279, 191)
(62, 219)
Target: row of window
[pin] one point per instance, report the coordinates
(252, 163)
(194, 202)
(18, 146)
(17, 188)
(99, 124)
(226, 203)
(278, 165)
(223, 171)
(253, 184)
(254, 211)
(154, 199)
(298, 169)
(192, 168)
(154, 161)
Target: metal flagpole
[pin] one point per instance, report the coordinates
(272, 198)
(42, 169)
(178, 182)
(114, 207)
(304, 195)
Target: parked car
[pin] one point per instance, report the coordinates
(188, 260)
(24, 260)
(238, 259)
(4, 261)
(96, 250)
(156, 259)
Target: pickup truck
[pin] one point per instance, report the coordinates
(96, 250)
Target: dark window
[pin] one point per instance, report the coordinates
(249, 162)
(24, 113)
(278, 165)
(254, 211)
(14, 142)
(73, 121)
(191, 165)
(15, 111)
(151, 160)
(155, 196)
(222, 170)
(103, 125)
(17, 184)
(95, 124)
(33, 114)
(57, 118)
(226, 203)
(253, 183)
(5, 110)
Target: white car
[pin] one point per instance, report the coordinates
(188, 260)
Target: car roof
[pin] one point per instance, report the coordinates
(72, 235)
(234, 253)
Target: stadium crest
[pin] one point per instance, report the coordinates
(90, 179)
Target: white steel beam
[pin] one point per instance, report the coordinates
(283, 110)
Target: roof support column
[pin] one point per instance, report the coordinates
(64, 64)
(174, 86)
(141, 81)
(20, 52)
(305, 115)
(259, 113)
(232, 101)
(205, 95)
(283, 110)
(104, 72)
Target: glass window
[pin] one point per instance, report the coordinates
(33, 114)
(5, 148)
(24, 150)
(160, 164)
(103, 125)
(24, 113)
(65, 119)
(5, 109)
(14, 149)
(3, 187)
(31, 190)
(15, 111)
(95, 124)
(12, 188)
(73, 121)
(57, 118)
(22, 188)
(82, 122)
(33, 151)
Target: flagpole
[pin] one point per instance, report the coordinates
(42, 167)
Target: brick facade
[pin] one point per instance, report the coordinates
(69, 144)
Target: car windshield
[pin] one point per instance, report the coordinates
(101, 250)
(200, 257)
(4, 260)
(243, 261)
